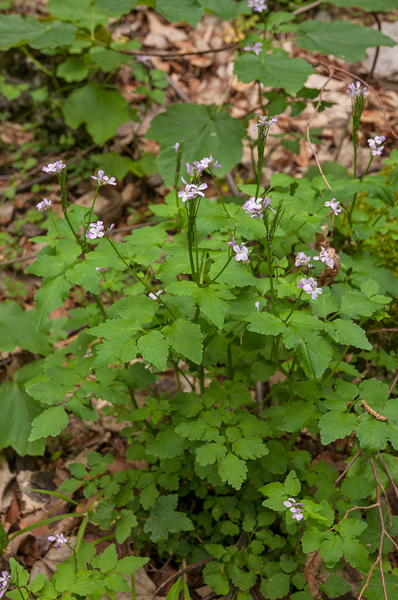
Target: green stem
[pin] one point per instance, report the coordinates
(336, 366)
(271, 278)
(294, 308)
(132, 586)
(35, 61)
(54, 223)
(219, 195)
(100, 306)
(72, 230)
(80, 533)
(92, 207)
(222, 270)
(368, 167)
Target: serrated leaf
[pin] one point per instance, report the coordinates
(77, 11)
(335, 586)
(266, 323)
(130, 564)
(356, 304)
(335, 425)
(372, 434)
(154, 348)
(250, 448)
(344, 331)
(292, 486)
(102, 111)
(190, 11)
(341, 38)
(85, 275)
(46, 391)
(332, 549)
(186, 338)
(356, 554)
(232, 470)
(276, 69)
(350, 528)
(168, 444)
(212, 303)
(297, 416)
(107, 560)
(208, 454)
(357, 487)
(49, 423)
(276, 586)
(115, 350)
(368, 5)
(187, 404)
(134, 308)
(49, 297)
(15, 29)
(165, 519)
(194, 430)
(17, 329)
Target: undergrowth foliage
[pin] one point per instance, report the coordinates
(282, 281)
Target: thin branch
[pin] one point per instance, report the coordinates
(309, 124)
(383, 530)
(302, 9)
(164, 585)
(394, 383)
(344, 473)
(382, 330)
(178, 54)
(359, 508)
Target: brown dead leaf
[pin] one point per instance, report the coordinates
(13, 134)
(312, 569)
(144, 587)
(328, 274)
(5, 477)
(108, 205)
(203, 591)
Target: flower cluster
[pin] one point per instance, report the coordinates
(355, 89)
(325, 258)
(96, 231)
(58, 538)
(257, 5)
(295, 508)
(242, 253)
(302, 260)
(257, 48)
(196, 169)
(4, 583)
(144, 59)
(103, 179)
(54, 167)
(264, 122)
(375, 145)
(44, 205)
(334, 205)
(155, 295)
(191, 191)
(310, 286)
(176, 146)
(255, 207)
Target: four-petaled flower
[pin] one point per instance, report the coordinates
(44, 204)
(206, 163)
(264, 122)
(296, 508)
(257, 48)
(375, 145)
(59, 538)
(144, 59)
(257, 5)
(356, 89)
(103, 179)
(155, 295)
(96, 231)
(191, 191)
(176, 146)
(334, 205)
(325, 258)
(255, 207)
(54, 167)
(310, 286)
(242, 253)
(302, 260)
(4, 583)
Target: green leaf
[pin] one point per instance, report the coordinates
(154, 348)
(115, 350)
(336, 425)
(187, 404)
(130, 564)
(356, 554)
(186, 338)
(335, 586)
(18, 410)
(368, 5)
(357, 487)
(374, 392)
(214, 576)
(297, 416)
(276, 586)
(114, 163)
(332, 549)
(84, 274)
(3, 539)
(17, 329)
(72, 69)
(265, 323)
(350, 528)
(292, 486)
(19, 575)
(135, 308)
(194, 430)
(344, 331)
(165, 519)
(250, 448)
(65, 577)
(372, 434)
(100, 110)
(49, 423)
(106, 561)
(276, 69)
(79, 12)
(208, 454)
(324, 305)
(356, 304)
(232, 470)
(14, 30)
(168, 444)
(215, 133)
(212, 303)
(341, 38)
(44, 390)
(49, 297)
(184, 10)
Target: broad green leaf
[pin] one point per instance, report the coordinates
(46, 391)
(235, 274)
(324, 305)
(341, 38)
(108, 59)
(165, 519)
(356, 304)
(212, 303)
(292, 486)
(344, 331)
(374, 392)
(116, 329)
(190, 11)
(368, 5)
(14, 30)
(335, 586)
(232, 470)
(332, 549)
(107, 560)
(72, 69)
(335, 425)
(130, 564)
(356, 554)
(214, 576)
(208, 454)
(20, 576)
(49, 297)
(203, 130)
(265, 323)
(49, 423)
(84, 274)
(18, 410)
(134, 308)
(297, 416)
(154, 348)
(357, 487)
(114, 163)
(47, 266)
(276, 586)
(116, 7)
(187, 404)
(372, 434)
(350, 528)
(115, 350)
(80, 12)
(193, 430)
(249, 448)
(277, 69)
(226, 9)
(186, 338)
(168, 444)
(17, 329)
(102, 111)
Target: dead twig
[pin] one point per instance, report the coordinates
(180, 573)
(302, 9)
(395, 488)
(344, 473)
(177, 54)
(394, 383)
